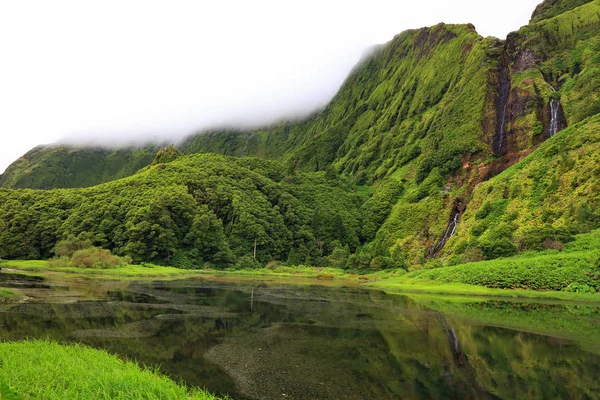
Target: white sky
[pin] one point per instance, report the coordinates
(119, 71)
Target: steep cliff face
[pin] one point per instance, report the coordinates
(423, 95)
(555, 83)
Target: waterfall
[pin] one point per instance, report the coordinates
(501, 104)
(450, 231)
(554, 107)
(502, 123)
(247, 138)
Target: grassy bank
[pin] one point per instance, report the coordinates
(46, 370)
(156, 271)
(9, 295)
(407, 285)
(570, 274)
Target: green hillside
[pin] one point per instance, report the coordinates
(72, 167)
(197, 209)
(441, 144)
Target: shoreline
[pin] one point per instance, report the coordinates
(391, 282)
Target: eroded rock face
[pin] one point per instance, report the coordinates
(524, 60)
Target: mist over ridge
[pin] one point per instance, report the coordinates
(111, 74)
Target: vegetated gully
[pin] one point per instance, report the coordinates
(257, 339)
(500, 142)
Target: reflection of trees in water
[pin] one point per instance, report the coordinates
(325, 342)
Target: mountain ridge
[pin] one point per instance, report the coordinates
(424, 124)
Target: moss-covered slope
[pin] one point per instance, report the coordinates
(71, 167)
(424, 125)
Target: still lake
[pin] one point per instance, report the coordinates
(270, 339)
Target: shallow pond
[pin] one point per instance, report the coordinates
(256, 339)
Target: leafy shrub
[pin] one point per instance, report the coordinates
(181, 260)
(534, 238)
(502, 247)
(383, 262)
(95, 257)
(166, 155)
(484, 211)
(579, 288)
(247, 262)
(338, 258)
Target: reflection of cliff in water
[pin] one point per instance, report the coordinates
(262, 341)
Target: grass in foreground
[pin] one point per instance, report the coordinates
(46, 370)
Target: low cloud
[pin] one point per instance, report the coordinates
(115, 73)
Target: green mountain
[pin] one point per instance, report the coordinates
(457, 141)
(47, 167)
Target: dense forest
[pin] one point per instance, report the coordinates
(194, 210)
(441, 145)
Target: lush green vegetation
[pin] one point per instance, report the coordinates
(574, 270)
(369, 183)
(537, 204)
(71, 167)
(195, 210)
(46, 370)
(552, 8)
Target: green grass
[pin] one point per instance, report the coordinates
(407, 285)
(156, 271)
(9, 295)
(148, 270)
(46, 370)
(545, 274)
(542, 272)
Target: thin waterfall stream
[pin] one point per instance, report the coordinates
(554, 108)
(450, 231)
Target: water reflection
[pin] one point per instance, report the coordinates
(273, 341)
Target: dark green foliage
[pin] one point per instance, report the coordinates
(495, 248)
(247, 262)
(292, 258)
(72, 167)
(8, 393)
(535, 238)
(195, 210)
(375, 210)
(338, 257)
(166, 155)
